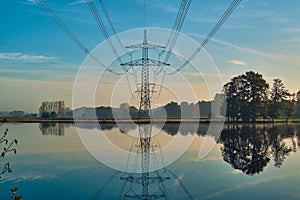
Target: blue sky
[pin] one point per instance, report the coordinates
(39, 62)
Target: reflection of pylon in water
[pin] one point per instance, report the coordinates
(146, 179)
(146, 185)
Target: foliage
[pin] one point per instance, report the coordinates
(246, 96)
(250, 148)
(173, 110)
(278, 94)
(289, 106)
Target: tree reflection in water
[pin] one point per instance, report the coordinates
(249, 148)
(245, 148)
(56, 129)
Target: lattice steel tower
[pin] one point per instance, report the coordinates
(145, 113)
(145, 62)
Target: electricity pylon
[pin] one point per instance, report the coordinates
(145, 129)
(145, 62)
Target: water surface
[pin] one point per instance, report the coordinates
(249, 162)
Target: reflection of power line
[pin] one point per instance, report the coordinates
(105, 184)
(181, 184)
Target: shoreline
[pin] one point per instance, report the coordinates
(138, 121)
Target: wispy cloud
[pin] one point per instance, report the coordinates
(166, 7)
(248, 50)
(243, 26)
(292, 29)
(204, 20)
(278, 19)
(197, 159)
(77, 2)
(267, 15)
(237, 171)
(238, 62)
(261, 13)
(292, 40)
(25, 57)
(27, 2)
(199, 74)
(171, 9)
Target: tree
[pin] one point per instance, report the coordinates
(231, 91)
(134, 112)
(278, 93)
(218, 108)
(246, 96)
(17, 113)
(173, 110)
(204, 109)
(104, 112)
(289, 106)
(45, 115)
(68, 113)
(56, 107)
(258, 93)
(297, 106)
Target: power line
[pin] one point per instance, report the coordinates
(71, 35)
(211, 34)
(103, 29)
(59, 22)
(111, 24)
(106, 35)
(144, 13)
(180, 17)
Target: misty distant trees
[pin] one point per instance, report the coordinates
(245, 98)
(51, 109)
(172, 110)
(249, 97)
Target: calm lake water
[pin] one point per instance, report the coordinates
(248, 162)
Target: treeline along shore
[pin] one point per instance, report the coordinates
(246, 98)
